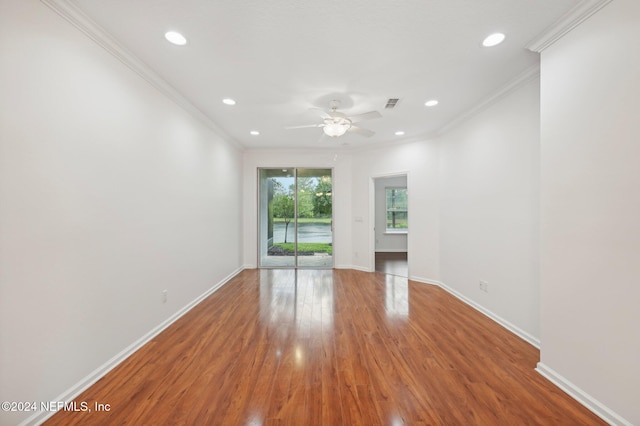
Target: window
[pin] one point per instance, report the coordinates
(397, 216)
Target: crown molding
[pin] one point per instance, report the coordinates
(580, 13)
(520, 80)
(72, 13)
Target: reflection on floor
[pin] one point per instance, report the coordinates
(392, 263)
(320, 260)
(329, 347)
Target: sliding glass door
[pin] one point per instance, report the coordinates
(314, 234)
(295, 218)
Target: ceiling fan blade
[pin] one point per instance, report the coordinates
(365, 116)
(320, 111)
(363, 132)
(304, 126)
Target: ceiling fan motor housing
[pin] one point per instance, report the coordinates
(336, 126)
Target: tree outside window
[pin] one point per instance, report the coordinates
(397, 215)
(283, 205)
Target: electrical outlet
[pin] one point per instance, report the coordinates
(484, 286)
(164, 296)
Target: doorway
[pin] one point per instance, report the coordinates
(391, 227)
(295, 214)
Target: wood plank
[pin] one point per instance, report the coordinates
(322, 347)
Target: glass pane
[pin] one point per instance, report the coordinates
(397, 220)
(397, 217)
(276, 215)
(396, 198)
(314, 210)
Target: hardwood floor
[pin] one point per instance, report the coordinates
(392, 263)
(330, 347)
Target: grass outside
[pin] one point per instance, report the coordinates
(400, 224)
(307, 247)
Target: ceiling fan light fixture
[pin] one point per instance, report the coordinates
(335, 127)
(336, 124)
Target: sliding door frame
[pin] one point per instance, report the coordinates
(295, 218)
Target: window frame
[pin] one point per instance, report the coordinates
(388, 209)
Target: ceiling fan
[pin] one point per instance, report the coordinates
(335, 124)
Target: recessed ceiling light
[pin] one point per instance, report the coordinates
(175, 38)
(493, 40)
(254, 132)
(431, 103)
(399, 133)
(228, 101)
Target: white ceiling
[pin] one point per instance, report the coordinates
(278, 58)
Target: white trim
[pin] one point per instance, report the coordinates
(371, 249)
(503, 322)
(392, 250)
(580, 13)
(73, 392)
(565, 385)
(69, 11)
(355, 268)
(425, 280)
(515, 83)
(581, 396)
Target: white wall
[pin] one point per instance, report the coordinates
(385, 241)
(473, 207)
(419, 161)
(337, 160)
(489, 195)
(109, 194)
(353, 190)
(590, 229)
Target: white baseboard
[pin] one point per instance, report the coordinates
(391, 251)
(589, 402)
(361, 268)
(354, 267)
(342, 267)
(425, 280)
(569, 388)
(73, 392)
(503, 322)
(582, 397)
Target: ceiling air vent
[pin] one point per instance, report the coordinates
(391, 103)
